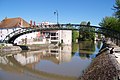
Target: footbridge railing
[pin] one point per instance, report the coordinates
(81, 28)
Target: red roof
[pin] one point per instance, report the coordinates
(13, 23)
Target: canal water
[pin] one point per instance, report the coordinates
(60, 63)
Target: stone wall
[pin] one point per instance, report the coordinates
(103, 67)
(22, 47)
(10, 48)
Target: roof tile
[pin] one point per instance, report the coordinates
(13, 23)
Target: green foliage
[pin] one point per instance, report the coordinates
(83, 23)
(110, 22)
(86, 33)
(69, 26)
(99, 36)
(117, 8)
(75, 35)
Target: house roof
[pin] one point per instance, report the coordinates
(13, 23)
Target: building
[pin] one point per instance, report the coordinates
(9, 25)
(61, 36)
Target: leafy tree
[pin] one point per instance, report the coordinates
(75, 35)
(86, 32)
(117, 8)
(83, 23)
(99, 36)
(110, 22)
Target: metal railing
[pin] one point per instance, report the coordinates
(108, 32)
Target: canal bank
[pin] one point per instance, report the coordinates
(103, 67)
(10, 47)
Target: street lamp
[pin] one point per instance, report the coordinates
(56, 13)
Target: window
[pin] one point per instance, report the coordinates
(54, 38)
(54, 51)
(53, 34)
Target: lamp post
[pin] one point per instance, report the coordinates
(56, 13)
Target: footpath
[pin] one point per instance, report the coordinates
(105, 66)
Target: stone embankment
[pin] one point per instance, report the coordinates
(103, 67)
(23, 47)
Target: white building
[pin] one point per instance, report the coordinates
(61, 36)
(9, 25)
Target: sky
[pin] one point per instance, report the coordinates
(69, 11)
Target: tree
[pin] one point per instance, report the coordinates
(83, 23)
(117, 8)
(75, 35)
(110, 23)
(86, 31)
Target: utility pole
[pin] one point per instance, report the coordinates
(56, 13)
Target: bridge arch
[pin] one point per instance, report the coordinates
(10, 38)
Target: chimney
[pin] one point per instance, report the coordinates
(34, 23)
(30, 22)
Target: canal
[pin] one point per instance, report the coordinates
(59, 63)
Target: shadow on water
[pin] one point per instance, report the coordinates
(62, 63)
(23, 47)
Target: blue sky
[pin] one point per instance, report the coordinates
(69, 11)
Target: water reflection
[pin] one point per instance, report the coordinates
(66, 63)
(87, 49)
